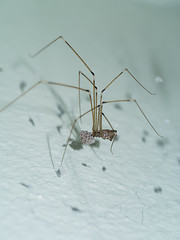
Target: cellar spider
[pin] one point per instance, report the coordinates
(95, 108)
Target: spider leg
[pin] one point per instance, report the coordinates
(112, 129)
(94, 88)
(79, 74)
(126, 70)
(107, 121)
(38, 83)
(61, 37)
(133, 100)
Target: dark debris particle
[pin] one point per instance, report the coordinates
(157, 189)
(22, 86)
(24, 185)
(104, 168)
(75, 209)
(31, 121)
(76, 145)
(59, 129)
(85, 165)
(58, 173)
(118, 106)
(145, 132)
(128, 95)
(161, 142)
(143, 139)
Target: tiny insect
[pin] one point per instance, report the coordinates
(96, 109)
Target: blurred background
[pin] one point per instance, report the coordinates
(139, 195)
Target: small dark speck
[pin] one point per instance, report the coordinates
(161, 142)
(22, 86)
(143, 139)
(25, 185)
(58, 173)
(145, 132)
(75, 209)
(85, 165)
(104, 168)
(157, 190)
(31, 121)
(118, 106)
(59, 129)
(128, 95)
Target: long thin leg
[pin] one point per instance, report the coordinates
(94, 90)
(61, 37)
(92, 109)
(94, 112)
(81, 73)
(38, 83)
(58, 172)
(133, 100)
(124, 70)
(112, 129)
(50, 153)
(107, 121)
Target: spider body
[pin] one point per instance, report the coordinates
(96, 110)
(88, 137)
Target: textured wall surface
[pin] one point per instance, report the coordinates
(133, 194)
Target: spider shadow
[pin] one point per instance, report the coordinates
(62, 110)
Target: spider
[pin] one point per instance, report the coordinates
(95, 108)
